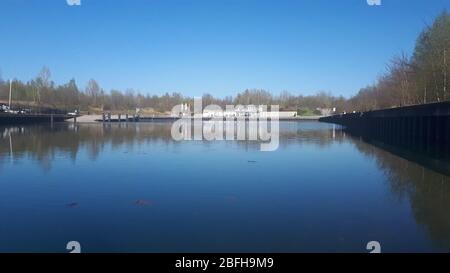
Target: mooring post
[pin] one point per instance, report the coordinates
(126, 118)
(109, 117)
(103, 117)
(51, 119)
(75, 120)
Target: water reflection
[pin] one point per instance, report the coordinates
(427, 191)
(420, 181)
(46, 144)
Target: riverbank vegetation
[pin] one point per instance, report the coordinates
(420, 78)
(42, 92)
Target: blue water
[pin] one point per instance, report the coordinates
(118, 188)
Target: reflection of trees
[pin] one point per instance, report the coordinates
(44, 144)
(428, 191)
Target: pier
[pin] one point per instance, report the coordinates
(423, 127)
(117, 118)
(10, 118)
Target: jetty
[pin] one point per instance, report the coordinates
(13, 118)
(117, 118)
(422, 127)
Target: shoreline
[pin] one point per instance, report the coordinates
(115, 119)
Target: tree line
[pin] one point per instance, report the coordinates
(420, 78)
(416, 79)
(42, 92)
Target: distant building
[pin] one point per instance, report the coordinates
(326, 111)
(4, 108)
(247, 111)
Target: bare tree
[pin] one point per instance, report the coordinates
(93, 91)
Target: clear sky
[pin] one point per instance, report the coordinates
(216, 46)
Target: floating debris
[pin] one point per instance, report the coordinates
(143, 203)
(72, 205)
(251, 161)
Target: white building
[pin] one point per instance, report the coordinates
(247, 111)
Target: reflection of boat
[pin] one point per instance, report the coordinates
(12, 118)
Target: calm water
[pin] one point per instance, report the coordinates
(133, 189)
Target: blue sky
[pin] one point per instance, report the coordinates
(214, 46)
